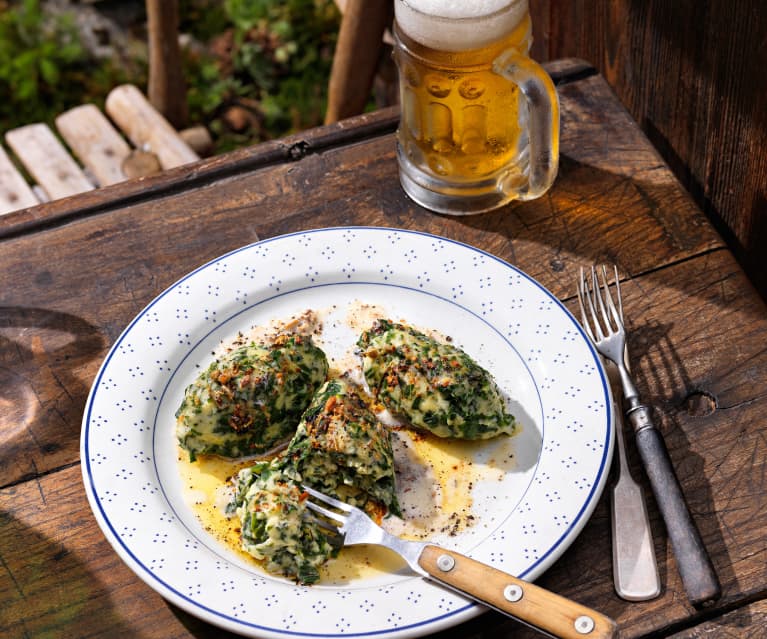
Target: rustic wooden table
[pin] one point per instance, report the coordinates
(76, 271)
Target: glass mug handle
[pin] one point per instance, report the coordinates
(543, 126)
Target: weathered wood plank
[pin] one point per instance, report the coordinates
(65, 580)
(47, 161)
(15, 193)
(95, 141)
(722, 477)
(294, 147)
(680, 69)
(356, 56)
(73, 287)
(167, 88)
(146, 128)
(633, 212)
(748, 622)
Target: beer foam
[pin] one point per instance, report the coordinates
(458, 25)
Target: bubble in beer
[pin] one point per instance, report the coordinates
(440, 164)
(438, 85)
(411, 76)
(471, 89)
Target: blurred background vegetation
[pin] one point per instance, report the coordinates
(255, 69)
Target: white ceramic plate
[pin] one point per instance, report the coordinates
(509, 323)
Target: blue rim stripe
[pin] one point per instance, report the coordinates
(588, 506)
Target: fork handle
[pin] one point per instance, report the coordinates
(695, 567)
(531, 604)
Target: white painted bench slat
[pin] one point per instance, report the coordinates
(94, 140)
(47, 161)
(146, 128)
(100, 145)
(14, 190)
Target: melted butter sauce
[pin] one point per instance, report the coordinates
(435, 480)
(435, 477)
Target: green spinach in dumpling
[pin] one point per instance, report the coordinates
(434, 385)
(251, 398)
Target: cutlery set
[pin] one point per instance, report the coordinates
(634, 564)
(603, 322)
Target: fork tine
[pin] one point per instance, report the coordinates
(600, 296)
(591, 293)
(618, 292)
(595, 298)
(581, 295)
(330, 501)
(322, 523)
(608, 304)
(329, 514)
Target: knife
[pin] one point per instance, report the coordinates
(635, 569)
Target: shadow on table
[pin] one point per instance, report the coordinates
(663, 373)
(46, 591)
(198, 628)
(41, 396)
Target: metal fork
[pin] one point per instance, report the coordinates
(604, 325)
(635, 569)
(541, 609)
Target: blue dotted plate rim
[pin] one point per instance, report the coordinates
(433, 624)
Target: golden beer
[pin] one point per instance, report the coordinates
(480, 120)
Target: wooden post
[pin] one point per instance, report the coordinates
(166, 90)
(356, 56)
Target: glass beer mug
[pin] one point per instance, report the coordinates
(479, 119)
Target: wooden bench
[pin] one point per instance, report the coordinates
(93, 150)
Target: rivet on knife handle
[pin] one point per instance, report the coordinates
(538, 607)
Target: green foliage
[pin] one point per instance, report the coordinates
(278, 58)
(44, 68)
(270, 58)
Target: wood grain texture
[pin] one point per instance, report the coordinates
(166, 86)
(76, 272)
(549, 611)
(356, 56)
(47, 161)
(14, 190)
(95, 141)
(747, 622)
(146, 127)
(65, 580)
(585, 218)
(723, 477)
(692, 74)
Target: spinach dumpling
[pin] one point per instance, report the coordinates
(251, 398)
(341, 449)
(276, 526)
(434, 385)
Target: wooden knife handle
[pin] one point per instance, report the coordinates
(695, 567)
(531, 604)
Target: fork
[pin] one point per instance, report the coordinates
(532, 605)
(635, 569)
(604, 325)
